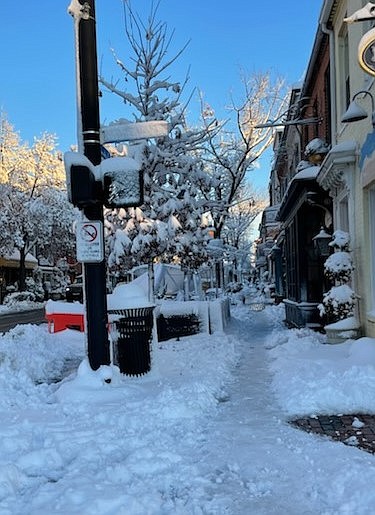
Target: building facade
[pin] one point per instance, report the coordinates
(335, 190)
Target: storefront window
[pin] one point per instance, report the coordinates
(372, 241)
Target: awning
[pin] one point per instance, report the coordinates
(13, 261)
(302, 183)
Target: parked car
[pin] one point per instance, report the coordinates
(74, 291)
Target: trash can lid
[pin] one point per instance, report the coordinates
(138, 311)
(128, 296)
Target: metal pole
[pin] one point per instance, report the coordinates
(94, 273)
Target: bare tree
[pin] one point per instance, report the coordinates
(241, 216)
(229, 156)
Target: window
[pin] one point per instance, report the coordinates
(344, 70)
(292, 259)
(372, 241)
(343, 215)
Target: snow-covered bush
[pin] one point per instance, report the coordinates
(339, 267)
(233, 287)
(339, 302)
(35, 287)
(235, 292)
(14, 299)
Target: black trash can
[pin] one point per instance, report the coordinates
(133, 342)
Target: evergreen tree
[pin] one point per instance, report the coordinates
(169, 223)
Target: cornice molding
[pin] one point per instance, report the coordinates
(336, 166)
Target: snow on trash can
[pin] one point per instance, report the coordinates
(133, 337)
(131, 322)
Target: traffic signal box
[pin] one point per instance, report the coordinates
(117, 182)
(81, 186)
(122, 182)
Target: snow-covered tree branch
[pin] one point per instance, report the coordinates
(173, 204)
(35, 211)
(230, 155)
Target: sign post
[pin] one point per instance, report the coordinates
(85, 190)
(91, 252)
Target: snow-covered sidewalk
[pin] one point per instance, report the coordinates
(205, 432)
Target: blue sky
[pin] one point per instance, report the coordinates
(37, 86)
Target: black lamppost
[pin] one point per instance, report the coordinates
(89, 143)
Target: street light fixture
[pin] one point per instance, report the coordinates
(321, 243)
(355, 112)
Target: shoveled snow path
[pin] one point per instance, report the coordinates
(259, 464)
(162, 444)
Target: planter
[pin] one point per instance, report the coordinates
(342, 331)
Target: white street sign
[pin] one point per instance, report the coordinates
(129, 131)
(90, 245)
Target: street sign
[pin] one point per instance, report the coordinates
(128, 131)
(90, 245)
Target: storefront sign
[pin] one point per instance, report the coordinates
(366, 52)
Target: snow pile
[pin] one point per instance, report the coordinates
(340, 240)
(339, 263)
(30, 357)
(60, 306)
(311, 377)
(103, 441)
(19, 305)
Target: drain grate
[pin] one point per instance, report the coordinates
(356, 430)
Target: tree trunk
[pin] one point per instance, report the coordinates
(187, 285)
(151, 278)
(218, 274)
(22, 270)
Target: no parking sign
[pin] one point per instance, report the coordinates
(90, 246)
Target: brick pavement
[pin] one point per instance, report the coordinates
(357, 430)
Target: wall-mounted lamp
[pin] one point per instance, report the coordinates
(355, 112)
(327, 213)
(321, 243)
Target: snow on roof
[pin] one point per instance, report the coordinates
(345, 146)
(274, 207)
(306, 173)
(16, 255)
